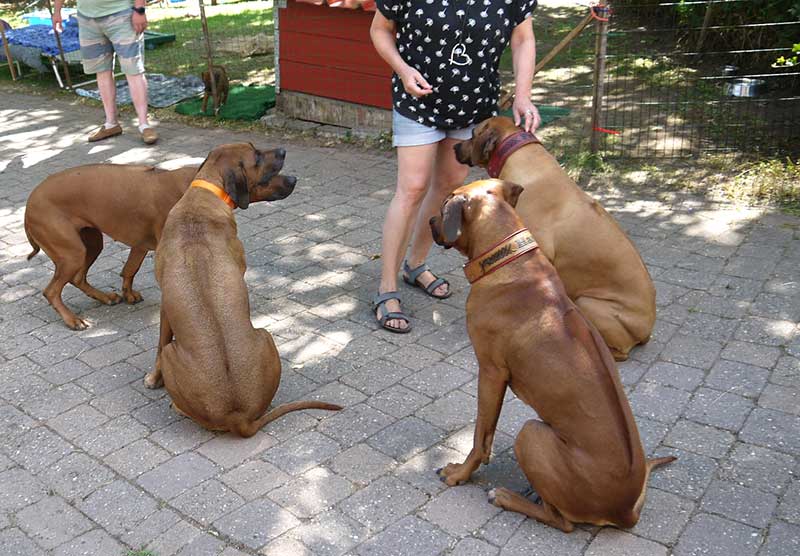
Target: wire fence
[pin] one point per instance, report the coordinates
(685, 78)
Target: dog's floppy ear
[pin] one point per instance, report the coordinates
(488, 145)
(452, 216)
(235, 182)
(511, 192)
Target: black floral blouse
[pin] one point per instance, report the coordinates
(456, 45)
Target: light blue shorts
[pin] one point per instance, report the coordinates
(408, 133)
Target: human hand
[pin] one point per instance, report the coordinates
(57, 21)
(139, 22)
(414, 84)
(524, 109)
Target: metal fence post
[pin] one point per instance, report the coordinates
(601, 13)
(209, 58)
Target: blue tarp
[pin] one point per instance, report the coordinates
(42, 37)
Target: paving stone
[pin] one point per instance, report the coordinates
(736, 289)
(737, 378)
(150, 528)
(228, 450)
(752, 354)
(118, 507)
(255, 478)
(437, 380)
(772, 429)
(56, 352)
(157, 414)
(789, 508)
(181, 436)
(536, 539)
(451, 411)
(677, 376)
(76, 476)
(111, 436)
(110, 378)
(15, 543)
(377, 376)
(661, 403)
(474, 547)
(383, 502)
(398, 401)
(631, 371)
(613, 542)
(354, 424)
(285, 546)
(782, 398)
(55, 401)
(651, 433)
(301, 453)
(756, 467)
(718, 409)
(783, 540)
(93, 543)
(416, 357)
(312, 492)
(409, 535)
(770, 332)
(207, 501)
(710, 535)
(406, 438)
(468, 502)
(361, 464)
(51, 522)
(329, 533)
(65, 371)
(38, 448)
(691, 351)
(20, 489)
(663, 516)
(121, 401)
(177, 475)
(787, 372)
(700, 439)
(708, 326)
(203, 545)
(739, 503)
(501, 527)
(109, 354)
(179, 535)
(256, 523)
(463, 441)
(137, 458)
(688, 476)
(77, 421)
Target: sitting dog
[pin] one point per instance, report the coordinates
(68, 213)
(584, 458)
(222, 86)
(217, 368)
(600, 267)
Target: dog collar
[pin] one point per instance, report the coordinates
(216, 190)
(509, 249)
(509, 145)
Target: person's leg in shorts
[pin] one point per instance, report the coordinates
(97, 57)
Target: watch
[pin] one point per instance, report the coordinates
(139, 11)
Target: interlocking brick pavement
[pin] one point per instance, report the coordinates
(93, 463)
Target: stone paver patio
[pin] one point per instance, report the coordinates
(92, 463)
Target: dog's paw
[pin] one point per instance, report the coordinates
(454, 474)
(76, 323)
(153, 380)
(131, 296)
(113, 299)
(492, 496)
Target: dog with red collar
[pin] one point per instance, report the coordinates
(602, 271)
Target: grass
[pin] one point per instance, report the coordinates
(142, 552)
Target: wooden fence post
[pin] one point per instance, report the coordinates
(8, 53)
(601, 13)
(209, 58)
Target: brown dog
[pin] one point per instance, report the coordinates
(600, 267)
(584, 459)
(221, 84)
(68, 213)
(217, 368)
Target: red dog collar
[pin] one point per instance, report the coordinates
(509, 145)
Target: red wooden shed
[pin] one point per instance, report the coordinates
(327, 69)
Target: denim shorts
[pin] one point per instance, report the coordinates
(408, 133)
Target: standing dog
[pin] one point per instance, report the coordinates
(217, 368)
(221, 84)
(68, 213)
(600, 267)
(584, 459)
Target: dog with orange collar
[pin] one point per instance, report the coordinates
(600, 267)
(584, 458)
(218, 370)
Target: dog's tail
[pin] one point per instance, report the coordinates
(655, 462)
(33, 243)
(283, 409)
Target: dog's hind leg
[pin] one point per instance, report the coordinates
(67, 256)
(93, 242)
(130, 269)
(607, 317)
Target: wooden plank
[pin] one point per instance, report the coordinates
(335, 83)
(331, 52)
(327, 22)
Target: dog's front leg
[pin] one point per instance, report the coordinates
(154, 378)
(491, 389)
(130, 269)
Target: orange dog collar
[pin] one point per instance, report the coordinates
(216, 190)
(509, 249)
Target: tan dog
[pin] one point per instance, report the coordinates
(68, 213)
(584, 458)
(220, 83)
(600, 267)
(217, 368)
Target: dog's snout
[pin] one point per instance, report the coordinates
(291, 181)
(280, 153)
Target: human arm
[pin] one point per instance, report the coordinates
(138, 20)
(383, 33)
(523, 55)
(57, 21)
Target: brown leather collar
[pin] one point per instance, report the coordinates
(509, 145)
(216, 190)
(509, 249)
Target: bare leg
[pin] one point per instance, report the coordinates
(130, 269)
(414, 168)
(449, 174)
(491, 389)
(108, 94)
(138, 86)
(155, 379)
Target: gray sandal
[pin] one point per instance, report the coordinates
(411, 275)
(380, 303)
